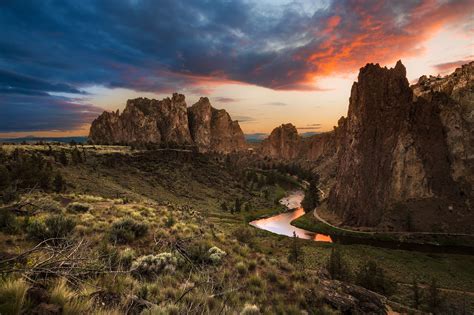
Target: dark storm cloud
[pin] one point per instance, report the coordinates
(50, 46)
(33, 113)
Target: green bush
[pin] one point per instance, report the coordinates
(8, 221)
(216, 255)
(127, 230)
(372, 277)
(54, 226)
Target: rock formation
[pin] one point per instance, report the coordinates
(213, 129)
(406, 156)
(169, 122)
(283, 143)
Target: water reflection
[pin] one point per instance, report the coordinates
(281, 223)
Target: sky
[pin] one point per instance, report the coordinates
(266, 62)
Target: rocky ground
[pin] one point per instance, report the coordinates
(146, 232)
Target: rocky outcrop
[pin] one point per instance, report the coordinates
(405, 155)
(170, 123)
(283, 142)
(213, 129)
(403, 159)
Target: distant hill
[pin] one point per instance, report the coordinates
(255, 137)
(33, 139)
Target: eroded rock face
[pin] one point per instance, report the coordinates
(169, 122)
(283, 142)
(406, 153)
(213, 129)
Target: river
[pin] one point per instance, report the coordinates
(281, 223)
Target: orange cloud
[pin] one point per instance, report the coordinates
(374, 34)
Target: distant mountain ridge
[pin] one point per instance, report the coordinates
(33, 139)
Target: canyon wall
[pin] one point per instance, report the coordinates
(169, 122)
(403, 158)
(406, 154)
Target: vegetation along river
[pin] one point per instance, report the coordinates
(281, 223)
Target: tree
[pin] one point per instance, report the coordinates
(311, 196)
(295, 251)
(4, 177)
(224, 206)
(59, 184)
(372, 277)
(248, 207)
(434, 297)
(238, 205)
(63, 158)
(337, 267)
(416, 293)
(76, 156)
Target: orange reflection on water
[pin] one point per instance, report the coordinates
(281, 224)
(322, 238)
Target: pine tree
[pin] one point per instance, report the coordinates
(434, 298)
(416, 293)
(238, 205)
(337, 266)
(295, 251)
(311, 197)
(58, 183)
(224, 206)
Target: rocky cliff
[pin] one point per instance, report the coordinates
(402, 159)
(213, 129)
(169, 122)
(405, 157)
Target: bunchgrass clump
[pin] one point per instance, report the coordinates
(70, 301)
(13, 296)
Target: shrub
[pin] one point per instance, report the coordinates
(244, 234)
(372, 277)
(54, 226)
(241, 268)
(216, 255)
(126, 257)
(127, 230)
(12, 296)
(78, 207)
(8, 221)
(152, 265)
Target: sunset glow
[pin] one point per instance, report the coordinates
(266, 63)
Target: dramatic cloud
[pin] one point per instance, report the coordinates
(56, 47)
(443, 68)
(243, 119)
(310, 127)
(220, 99)
(43, 113)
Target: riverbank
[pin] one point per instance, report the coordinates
(421, 241)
